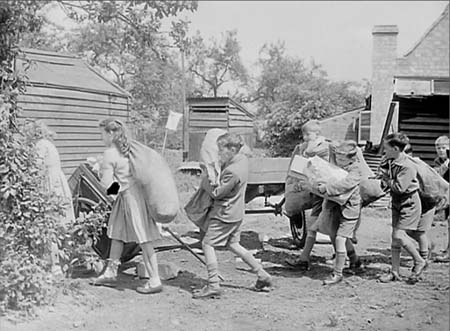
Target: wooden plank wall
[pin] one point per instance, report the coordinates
(423, 120)
(73, 116)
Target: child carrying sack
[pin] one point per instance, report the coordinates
(152, 172)
(434, 189)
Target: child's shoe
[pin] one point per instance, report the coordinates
(263, 284)
(333, 279)
(148, 289)
(299, 264)
(207, 292)
(354, 268)
(390, 277)
(109, 277)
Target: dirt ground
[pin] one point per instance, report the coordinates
(299, 301)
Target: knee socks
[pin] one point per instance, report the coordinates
(213, 275)
(339, 263)
(395, 260)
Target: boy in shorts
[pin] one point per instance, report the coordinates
(441, 166)
(406, 206)
(314, 144)
(226, 215)
(344, 219)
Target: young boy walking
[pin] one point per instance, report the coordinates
(344, 219)
(226, 216)
(406, 206)
(441, 165)
(314, 144)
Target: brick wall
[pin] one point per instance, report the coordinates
(384, 55)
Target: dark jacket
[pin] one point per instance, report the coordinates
(229, 196)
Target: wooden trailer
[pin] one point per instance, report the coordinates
(70, 97)
(223, 113)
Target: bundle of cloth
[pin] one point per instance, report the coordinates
(310, 171)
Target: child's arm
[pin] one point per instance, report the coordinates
(402, 181)
(344, 185)
(107, 169)
(226, 185)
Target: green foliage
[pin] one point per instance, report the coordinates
(28, 216)
(218, 63)
(76, 242)
(289, 93)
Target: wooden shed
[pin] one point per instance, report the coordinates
(223, 113)
(70, 97)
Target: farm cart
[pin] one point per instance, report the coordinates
(267, 178)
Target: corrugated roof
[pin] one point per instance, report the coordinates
(65, 71)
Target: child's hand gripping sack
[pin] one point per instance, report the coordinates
(152, 172)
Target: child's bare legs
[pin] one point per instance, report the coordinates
(303, 261)
(422, 240)
(248, 258)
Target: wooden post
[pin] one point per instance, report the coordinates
(185, 111)
(164, 143)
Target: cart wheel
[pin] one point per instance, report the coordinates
(83, 205)
(298, 229)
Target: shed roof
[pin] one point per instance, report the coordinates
(60, 70)
(429, 55)
(220, 102)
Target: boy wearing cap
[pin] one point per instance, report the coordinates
(314, 144)
(406, 206)
(345, 218)
(226, 215)
(441, 166)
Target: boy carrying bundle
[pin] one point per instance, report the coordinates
(344, 218)
(226, 215)
(406, 205)
(314, 145)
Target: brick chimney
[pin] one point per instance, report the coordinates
(384, 55)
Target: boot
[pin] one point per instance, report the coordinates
(207, 292)
(333, 279)
(109, 277)
(390, 277)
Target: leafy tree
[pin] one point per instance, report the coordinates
(218, 63)
(290, 92)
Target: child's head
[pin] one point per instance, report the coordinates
(37, 130)
(346, 153)
(408, 149)
(114, 133)
(394, 144)
(442, 146)
(311, 130)
(229, 145)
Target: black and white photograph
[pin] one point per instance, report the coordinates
(229, 165)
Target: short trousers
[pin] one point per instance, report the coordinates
(220, 233)
(406, 212)
(316, 205)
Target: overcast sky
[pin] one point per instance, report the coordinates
(337, 34)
